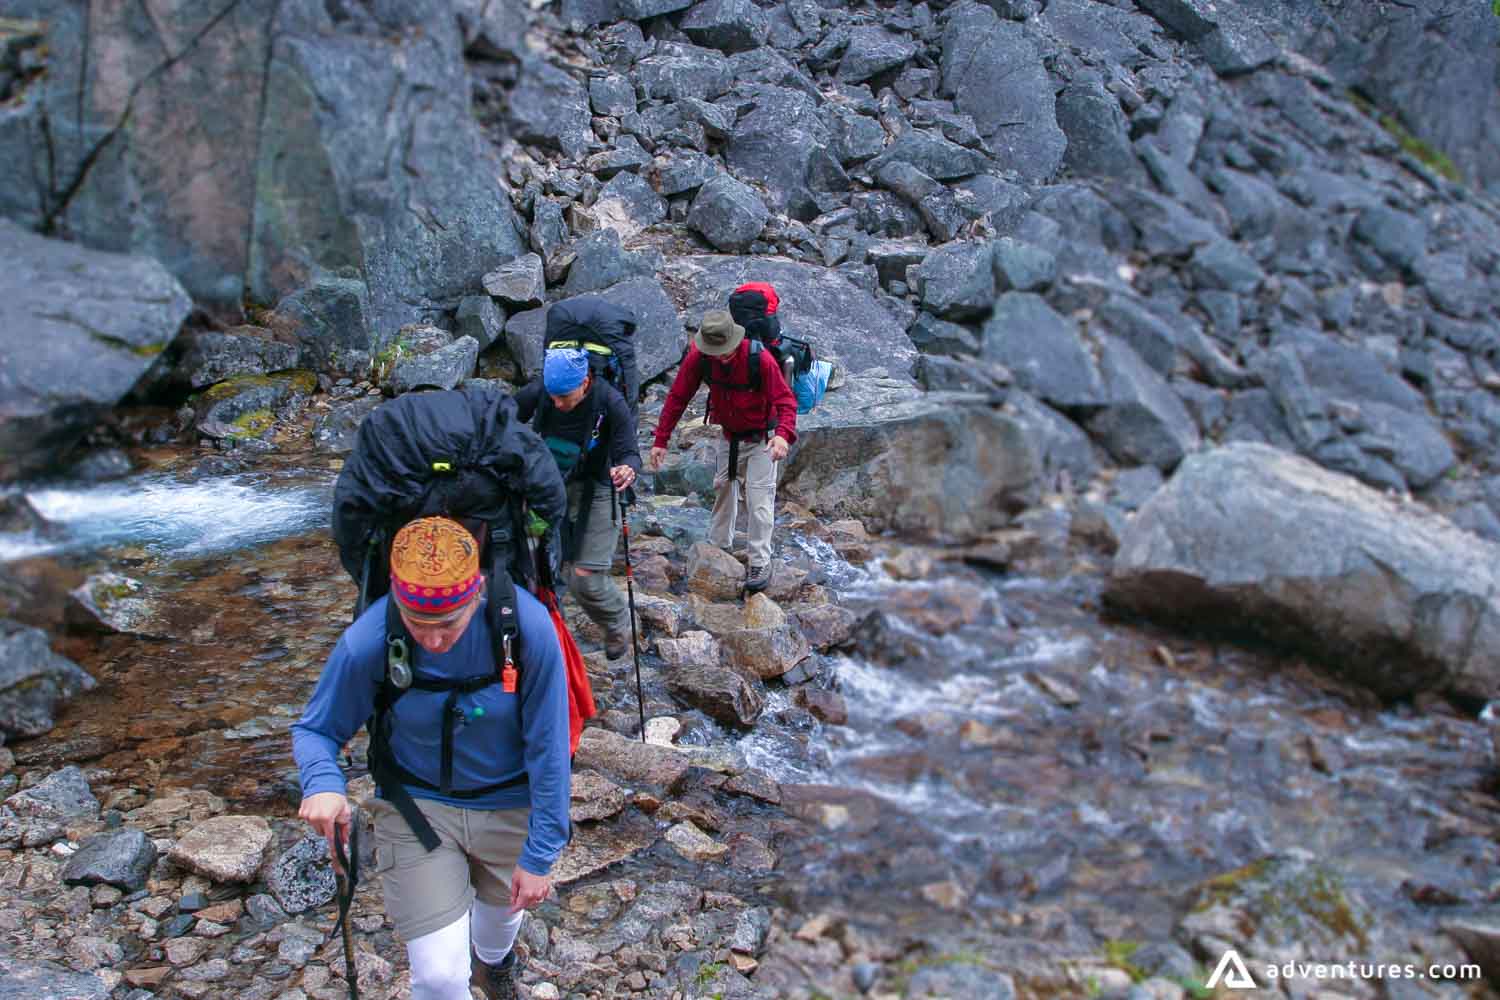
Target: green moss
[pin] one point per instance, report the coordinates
(112, 592)
(707, 971)
(1436, 159)
(1221, 888)
(231, 387)
(908, 968)
(1495, 7)
(302, 381)
(254, 424)
(1321, 897)
(148, 350)
(382, 364)
(1119, 954)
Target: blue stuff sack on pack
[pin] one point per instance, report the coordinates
(809, 386)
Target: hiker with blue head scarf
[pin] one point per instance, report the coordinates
(589, 430)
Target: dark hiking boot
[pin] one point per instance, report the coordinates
(758, 579)
(616, 644)
(496, 982)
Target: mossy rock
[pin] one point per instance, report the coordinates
(1288, 902)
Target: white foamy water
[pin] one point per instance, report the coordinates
(163, 514)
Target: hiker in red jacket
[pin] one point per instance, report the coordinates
(750, 400)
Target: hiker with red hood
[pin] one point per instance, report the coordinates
(749, 398)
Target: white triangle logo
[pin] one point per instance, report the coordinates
(1231, 969)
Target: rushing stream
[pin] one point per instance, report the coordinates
(1006, 738)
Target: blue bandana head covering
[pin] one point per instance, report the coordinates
(564, 370)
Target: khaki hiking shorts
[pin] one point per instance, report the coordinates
(428, 890)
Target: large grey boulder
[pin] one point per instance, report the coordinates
(994, 74)
(1044, 351)
(78, 328)
(873, 50)
(33, 679)
(211, 356)
(627, 205)
(372, 166)
(331, 319)
(784, 143)
(135, 136)
(728, 214)
(727, 25)
(550, 108)
(935, 465)
(676, 71)
(1144, 422)
(1250, 538)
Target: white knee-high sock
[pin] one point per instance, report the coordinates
(494, 930)
(440, 963)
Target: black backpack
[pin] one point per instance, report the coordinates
(605, 331)
(464, 454)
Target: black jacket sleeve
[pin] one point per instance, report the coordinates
(528, 398)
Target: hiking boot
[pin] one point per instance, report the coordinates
(615, 644)
(496, 982)
(758, 579)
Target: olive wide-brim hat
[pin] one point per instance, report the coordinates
(718, 334)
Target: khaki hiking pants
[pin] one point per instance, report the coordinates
(757, 472)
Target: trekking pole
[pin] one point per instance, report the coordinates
(635, 649)
(347, 875)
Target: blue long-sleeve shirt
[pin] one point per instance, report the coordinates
(487, 749)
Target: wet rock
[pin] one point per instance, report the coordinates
(695, 845)
(595, 847)
(211, 356)
(1389, 594)
(724, 695)
(826, 626)
(224, 848)
(631, 760)
(110, 602)
(728, 214)
(594, 797)
(691, 648)
(657, 613)
(122, 858)
(714, 573)
(78, 328)
(764, 652)
(756, 786)
(33, 680)
(301, 878)
(826, 706)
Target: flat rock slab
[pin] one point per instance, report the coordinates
(1390, 595)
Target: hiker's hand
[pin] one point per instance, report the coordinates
(658, 456)
(527, 890)
(778, 448)
(622, 476)
(328, 814)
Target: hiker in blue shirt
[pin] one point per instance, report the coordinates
(494, 802)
